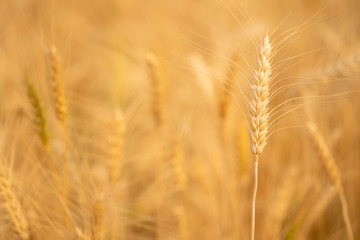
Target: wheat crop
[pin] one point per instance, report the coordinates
(181, 119)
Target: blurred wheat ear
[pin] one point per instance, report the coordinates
(259, 114)
(40, 122)
(116, 140)
(39, 116)
(57, 85)
(157, 88)
(61, 114)
(13, 207)
(333, 171)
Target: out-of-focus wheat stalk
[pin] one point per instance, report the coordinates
(80, 235)
(243, 149)
(179, 168)
(40, 121)
(322, 202)
(97, 227)
(39, 115)
(116, 143)
(61, 114)
(115, 167)
(158, 90)
(259, 115)
(181, 186)
(226, 87)
(333, 172)
(13, 207)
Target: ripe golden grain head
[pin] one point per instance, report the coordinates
(258, 105)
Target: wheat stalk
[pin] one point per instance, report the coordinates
(61, 114)
(259, 114)
(179, 166)
(13, 207)
(183, 227)
(333, 172)
(80, 235)
(322, 202)
(243, 149)
(97, 226)
(181, 186)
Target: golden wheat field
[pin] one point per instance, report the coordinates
(179, 119)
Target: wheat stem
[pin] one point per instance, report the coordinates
(253, 202)
(259, 115)
(346, 216)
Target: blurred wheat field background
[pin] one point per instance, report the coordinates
(143, 119)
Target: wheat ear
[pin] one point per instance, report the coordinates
(116, 146)
(40, 121)
(13, 207)
(259, 115)
(39, 116)
(157, 88)
(333, 172)
(57, 85)
(61, 114)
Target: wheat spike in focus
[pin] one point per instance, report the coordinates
(259, 114)
(260, 99)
